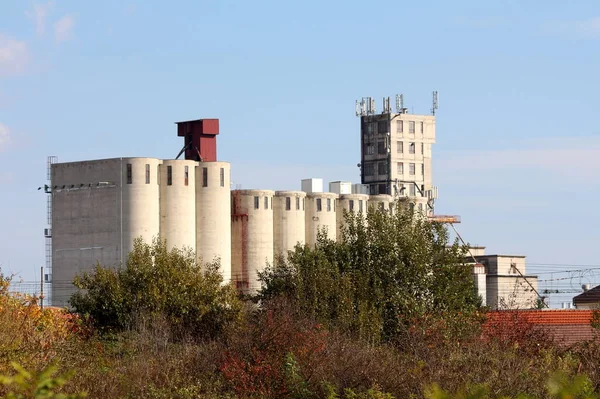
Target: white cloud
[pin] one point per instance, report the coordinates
(63, 28)
(583, 29)
(14, 56)
(588, 28)
(39, 15)
(576, 159)
(4, 136)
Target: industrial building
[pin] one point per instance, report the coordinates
(97, 208)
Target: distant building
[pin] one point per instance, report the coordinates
(590, 299)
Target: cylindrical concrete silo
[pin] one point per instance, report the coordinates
(381, 201)
(213, 214)
(320, 215)
(288, 221)
(355, 203)
(251, 236)
(140, 206)
(417, 204)
(178, 203)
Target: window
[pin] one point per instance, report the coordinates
(334, 201)
(256, 202)
(399, 147)
(222, 177)
(411, 126)
(297, 203)
(422, 169)
(303, 203)
(319, 206)
(129, 174)
(370, 149)
(422, 127)
(381, 147)
(368, 169)
(373, 189)
(411, 190)
(400, 168)
(328, 204)
(351, 205)
(169, 175)
(382, 168)
(422, 149)
(420, 207)
(370, 128)
(288, 203)
(147, 173)
(186, 175)
(266, 202)
(400, 127)
(411, 148)
(205, 178)
(411, 169)
(382, 127)
(383, 188)
(360, 205)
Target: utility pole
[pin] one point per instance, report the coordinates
(42, 287)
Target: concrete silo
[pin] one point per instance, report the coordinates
(289, 226)
(213, 207)
(140, 212)
(251, 236)
(320, 214)
(355, 203)
(381, 201)
(178, 203)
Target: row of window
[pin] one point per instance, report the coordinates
(170, 175)
(268, 203)
(411, 126)
(382, 168)
(382, 148)
(383, 127)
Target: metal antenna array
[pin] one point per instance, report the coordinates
(434, 105)
(366, 106)
(399, 103)
(387, 107)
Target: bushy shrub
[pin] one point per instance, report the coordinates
(158, 283)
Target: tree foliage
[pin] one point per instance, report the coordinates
(159, 284)
(386, 270)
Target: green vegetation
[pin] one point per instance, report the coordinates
(387, 271)
(389, 313)
(158, 285)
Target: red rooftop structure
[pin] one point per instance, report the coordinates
(200, 139)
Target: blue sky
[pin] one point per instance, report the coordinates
(518, 149)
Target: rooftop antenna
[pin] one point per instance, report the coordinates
(387, 108)
(399, 103)
(434, 106)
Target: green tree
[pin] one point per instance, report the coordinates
(158, 284)
(386, 270)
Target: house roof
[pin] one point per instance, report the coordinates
(565, 327)
(590, 296)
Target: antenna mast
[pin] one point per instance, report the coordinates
(434, 106)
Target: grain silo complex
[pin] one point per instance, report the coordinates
(99, 207)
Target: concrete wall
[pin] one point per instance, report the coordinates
(96, 214)
(289, 225)
(511, 292)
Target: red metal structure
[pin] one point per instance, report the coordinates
(200, 137)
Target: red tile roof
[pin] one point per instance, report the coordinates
(565, 327)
